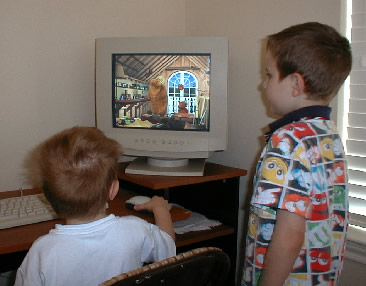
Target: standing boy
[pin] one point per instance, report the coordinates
(299, 208)
(79, 168)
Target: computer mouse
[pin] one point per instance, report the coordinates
(136, 200)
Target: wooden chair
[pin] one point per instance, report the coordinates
(207, 266)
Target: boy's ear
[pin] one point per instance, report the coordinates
(298, 84)
(114, 189)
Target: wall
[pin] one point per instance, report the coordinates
(47, 65)
(353, 274)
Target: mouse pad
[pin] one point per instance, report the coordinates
(118, 207)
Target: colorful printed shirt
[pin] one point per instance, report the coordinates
(302, 169)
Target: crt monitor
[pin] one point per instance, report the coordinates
(164, 99)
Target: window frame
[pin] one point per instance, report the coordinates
(357, 229)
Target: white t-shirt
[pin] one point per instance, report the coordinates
(89, 254)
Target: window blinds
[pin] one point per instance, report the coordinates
(356, 126)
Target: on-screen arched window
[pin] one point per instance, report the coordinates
(183, 86)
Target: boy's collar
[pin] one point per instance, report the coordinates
(305, 112)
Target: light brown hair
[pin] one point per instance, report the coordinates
(317, 52)
(77, 168)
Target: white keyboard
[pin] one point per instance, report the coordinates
(26, 209)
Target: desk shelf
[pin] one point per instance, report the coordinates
(203, 235)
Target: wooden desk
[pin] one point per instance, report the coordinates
(15, 242)
(215, 195)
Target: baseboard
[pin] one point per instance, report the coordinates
(356, 252)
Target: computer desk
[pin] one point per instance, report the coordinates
(17, 240)
(215, 195)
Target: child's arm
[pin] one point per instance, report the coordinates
(161, 210)
(287, 239)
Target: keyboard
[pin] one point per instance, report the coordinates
(26, 209)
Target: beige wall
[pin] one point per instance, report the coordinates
(47, 63)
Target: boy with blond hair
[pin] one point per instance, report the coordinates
(79, 174)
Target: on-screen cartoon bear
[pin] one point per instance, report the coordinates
(158, 96)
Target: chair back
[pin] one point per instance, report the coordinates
(206, 266)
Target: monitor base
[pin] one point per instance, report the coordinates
(166, 167)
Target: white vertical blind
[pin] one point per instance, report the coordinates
(356, 116)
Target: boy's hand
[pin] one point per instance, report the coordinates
(155, 203)
(161, 210)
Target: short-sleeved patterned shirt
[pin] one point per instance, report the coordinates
(302, 169)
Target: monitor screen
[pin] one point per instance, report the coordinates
(164, 99)
(161, 91)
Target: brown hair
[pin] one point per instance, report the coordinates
(77, 168)
(317, 52)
